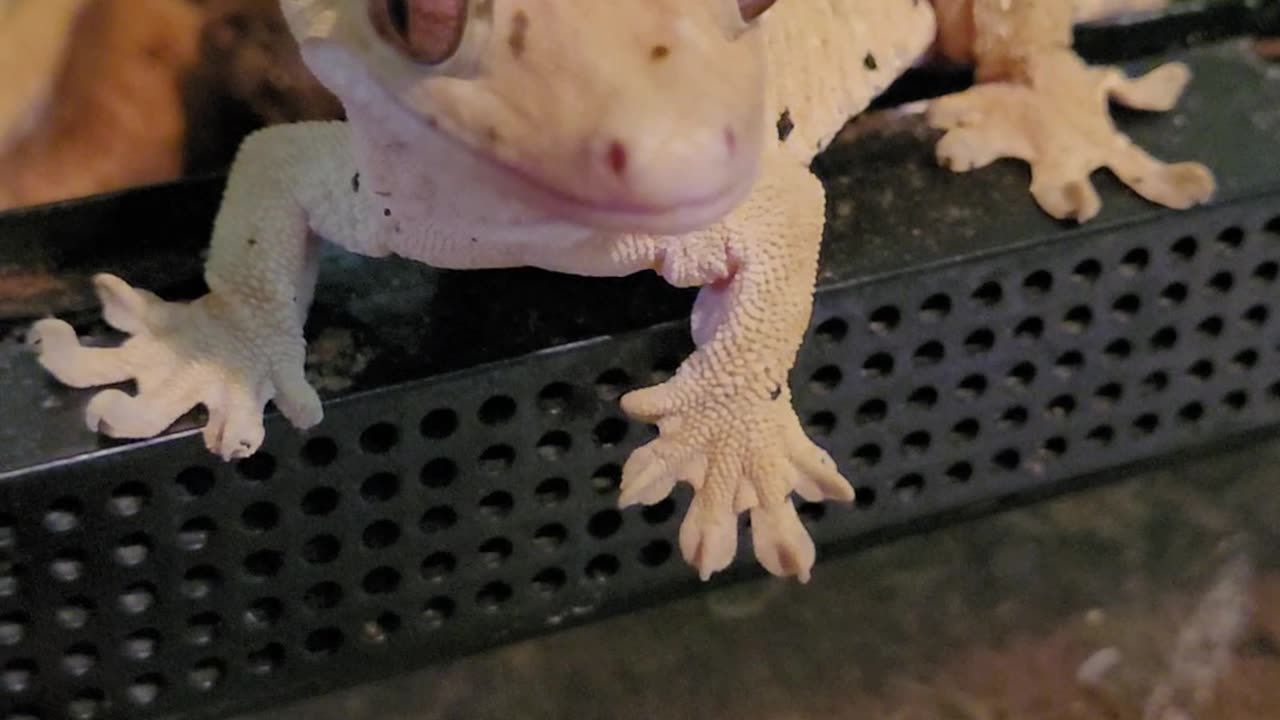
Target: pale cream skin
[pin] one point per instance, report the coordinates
(606, 138)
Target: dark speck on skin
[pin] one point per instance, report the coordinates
(776, 392)
(386, 212)
(870, 62)
(659, 52)
(617, 157)
(785, 125)
(491, 134)
(355, 183)
(519, 26)
(252, 241)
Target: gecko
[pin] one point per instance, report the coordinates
(605, 139)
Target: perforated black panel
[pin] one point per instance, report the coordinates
(450, 514)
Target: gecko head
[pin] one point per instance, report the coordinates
(629, 115)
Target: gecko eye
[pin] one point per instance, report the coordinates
(752, 9)
(428, 31)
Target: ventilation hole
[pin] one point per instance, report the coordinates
(437, 566)
(1029, 329)
(497, 410)
(1174, 294)
(1201, 370)
(1007, 459)
(1118, 349)
(381, 534)
(264, 613)
(1038, 283)
(1236, 400)
(265, 660)
(199, 583)
(884, 320)
(1266, 272)
(1273, 226)
(1087, 271)
(971, 387)
(871, 411)
(202, 629)
(1102, 435)
(194, 535)
(930, 353)
(439, 424)
(1068, 363)
(821, 424)
(988, 294)
(1164, 339)
(72, 615)
(438, 519)
(137, 598)
(966, 430)
(609, 432)
(17, 676)
(1135, 261)
(825, 379)
(602, 567)
(1054, 447)
(655, 553)
(554, 445)
(195, 481)
(979, 341)
(612, 384)
(321, 549)
(1061, 406)
(1185, 248)
(811, 512)
(606, 479)
(438, 473)
(1257, 315)
(323, 596)
(879, 365)
(129, 499)
(663, 368)
(1146, 423)
(550, 536)
(258, 467)
(555, 398)
(916, 443)
(320, 501)
(493, 595)
(1109, 394)
(497, 459)
(923, 398)
(381, 581)
(263, 564)
(1077, 319)
(381, 628)
(79, 659)
(437, 611)
(495, 551)
(867, 456)
(552, 491)
(1211, 326)
(260, 517)
(1155, 382)
(935, 307)
(1245, 360)
(67, 567)
(1191, 412)
(1126, 306)
(960, 472)
(909, 487)
(380, 487)
(659, 513)
(132, 550)
(1222, 282)
(497, 504)
(206, 675)
(324, 642)
(1014, 417)
(1231, 238)
(87, 704)
(319, 451)
(832, 330)
(10, 579)
(1022, 375)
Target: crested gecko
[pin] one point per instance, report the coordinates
(609, 138)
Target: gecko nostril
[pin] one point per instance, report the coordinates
(617, 157)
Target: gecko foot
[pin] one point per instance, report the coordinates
(739, 454)
(1056, 118)
(180, 355)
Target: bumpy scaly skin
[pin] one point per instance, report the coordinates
(419, 171)
(1040, 103)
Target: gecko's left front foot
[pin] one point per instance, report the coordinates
(741, 452)
(1056, 118)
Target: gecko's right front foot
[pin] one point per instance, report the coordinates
(181, 355)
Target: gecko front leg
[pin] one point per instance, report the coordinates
(726, 423)
(1039, 102)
